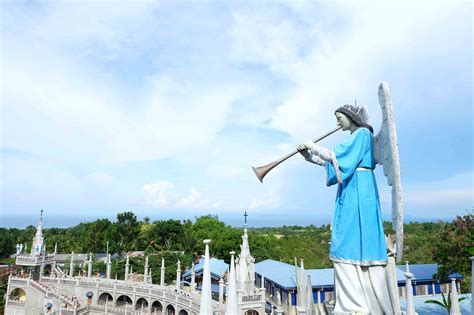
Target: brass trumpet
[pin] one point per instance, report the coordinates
(261, 171)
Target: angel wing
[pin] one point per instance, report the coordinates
(386, 154)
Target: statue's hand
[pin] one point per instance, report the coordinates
(303, 151)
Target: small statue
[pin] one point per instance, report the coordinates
(358, 248)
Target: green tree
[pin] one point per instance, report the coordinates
(124, 232)
(454, 249)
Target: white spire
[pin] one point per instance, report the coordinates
(162, 274)
(245, 266)
(455, 308)
(301, 286)
(108, 267)
(193, 278)
(37, 246)
(145, 273)
(409, 292)
(206, 293)
(178, 275)
(127, 268)
(89, 266)
(232, 307)
(71, 265)
(310, 309)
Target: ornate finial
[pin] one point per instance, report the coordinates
(246, 215)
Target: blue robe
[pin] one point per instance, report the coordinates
(357, 235)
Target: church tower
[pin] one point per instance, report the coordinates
(249, 297)
(37, 247)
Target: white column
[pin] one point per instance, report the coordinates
(206, 293)
(145, 273)
(178, 274)
(109, 266)
(89, 266)
(232, 307)
(71, 265)
(221, 290)
(127, 267)
(409, 292)
(193, 279)
(455, 307)
(162, 275)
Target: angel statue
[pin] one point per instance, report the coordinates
(365, 280)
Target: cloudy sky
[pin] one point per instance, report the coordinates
(162, 107)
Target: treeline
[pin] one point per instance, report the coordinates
(446, 243)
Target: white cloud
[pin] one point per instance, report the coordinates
(331, 68)
(270, 200)
(191, 199)
(158, 194)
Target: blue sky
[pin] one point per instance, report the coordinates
(161, 108)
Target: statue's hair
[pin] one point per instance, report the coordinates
(360, 116)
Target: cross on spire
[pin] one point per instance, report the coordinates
(41, 213)
(246, 215)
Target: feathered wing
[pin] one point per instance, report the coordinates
(386, 154)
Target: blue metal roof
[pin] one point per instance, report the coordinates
(283, 274)
(218, 267)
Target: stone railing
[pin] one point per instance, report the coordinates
(152, 291)
(44, 290)
(252, 298)
(15, 303)
(28, 260)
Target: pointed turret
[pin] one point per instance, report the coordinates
(193, 278)
(162, 274)
(455, 307)
(37, 246)
(145, 272)
(409, 292)
(301, 288)
(206, 293)
(245, 267)
(127, 267)
(71, 265)
(109, 266)
(89, 266)
(178, 275)
(232, 307)
(310, 309)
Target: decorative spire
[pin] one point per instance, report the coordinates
(109, 266)
(89, 266)
(455, 307)
(301, 286)
(178, 274)
(127, 267)
(145, 274)
(206, 293)
(71, 265)
(221, 289)
(162, 275)
(232, 307)
(310, 309)
(37, 246)
(193, 278)
(410, 309)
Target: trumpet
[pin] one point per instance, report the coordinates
(261, 171)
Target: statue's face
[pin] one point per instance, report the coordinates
(343, 121)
